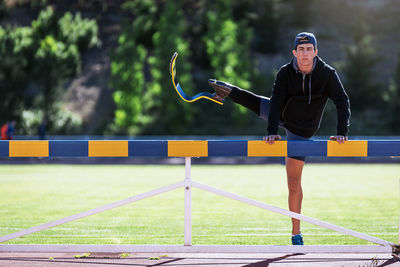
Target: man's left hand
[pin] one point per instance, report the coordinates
(339, 138)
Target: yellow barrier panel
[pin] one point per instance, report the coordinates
(347, 149)
(187, 148)
(29, 148)
(108, 148)
(262, 149)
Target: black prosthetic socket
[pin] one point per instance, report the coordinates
(246, 99)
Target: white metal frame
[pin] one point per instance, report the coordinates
(383, 245)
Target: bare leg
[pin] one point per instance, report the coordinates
(294, 169)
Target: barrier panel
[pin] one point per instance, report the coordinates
(188, 149)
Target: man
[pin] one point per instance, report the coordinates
(42, 130)
(7, 131)
(300, 92)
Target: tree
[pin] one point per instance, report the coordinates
(3, 9)
(265, 19)
(15, 67)
(128, 68)
(392, 101)
(37, 59)
(302, 14)
(364, 92)
(171, 116)
(60, 43)
(359, 69)
(54, 62)
(143, 93)
(228, 44)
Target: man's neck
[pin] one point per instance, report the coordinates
(305, 69)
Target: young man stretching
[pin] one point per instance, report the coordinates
(300, 92)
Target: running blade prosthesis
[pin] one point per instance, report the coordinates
(179, 90)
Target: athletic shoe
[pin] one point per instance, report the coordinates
(297, 239)
(222, 89)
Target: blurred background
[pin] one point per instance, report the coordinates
(91, 67)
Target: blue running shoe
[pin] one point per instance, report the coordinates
(297, 239)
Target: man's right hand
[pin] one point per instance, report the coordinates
(339, 138)
(270, 139)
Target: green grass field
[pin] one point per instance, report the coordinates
(363, 198)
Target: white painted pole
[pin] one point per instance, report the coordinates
(92, 212)
(188, 203)
(398, 240)
(292, 214)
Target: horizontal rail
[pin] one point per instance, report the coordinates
(205, 148)
(196, 249)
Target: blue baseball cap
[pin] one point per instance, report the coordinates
(305, 38)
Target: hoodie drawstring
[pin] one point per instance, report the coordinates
(309, 90)
(296, 67)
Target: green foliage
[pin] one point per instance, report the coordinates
(38, 59)
(265, 19)
(227, 43)
(124, 255)
(16, 47)
(3, 9)
(54, 62)
(82, 256)
(215, 39)
(302, 13)
(392, 100)
(58, 55)
(128, 76)
(207, 34)
(359, 69)
(64, 121)
(130, 84)
(45, 24)
(143, 26)
(170, 116)
(148, 105)
(364, 92)
(78, 31)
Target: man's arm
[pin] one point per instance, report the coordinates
(342, 103)
(277, 102)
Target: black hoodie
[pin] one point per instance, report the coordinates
(298, 100)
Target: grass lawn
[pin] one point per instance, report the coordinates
(364, 198)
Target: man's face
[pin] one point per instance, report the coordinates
(305, 54)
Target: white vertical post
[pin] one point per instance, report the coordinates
(188, 203)
(398, 241)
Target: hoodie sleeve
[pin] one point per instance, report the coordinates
(279, 93)
(342, 103)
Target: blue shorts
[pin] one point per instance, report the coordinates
(292, 136)
(264, 111)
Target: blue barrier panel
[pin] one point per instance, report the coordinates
(188, 148)
(148, 148)
(384, 148)
(227, 148)
(68, 148)
(4, 148)
(311, 148)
